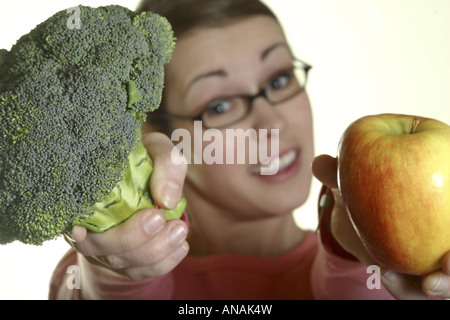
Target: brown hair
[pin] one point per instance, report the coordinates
(185, 15)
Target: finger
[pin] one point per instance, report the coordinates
(437, 284)
(445, 263)
(79, 233)
(166, 182)
(128, 235)
(344, 232)
(401, 286)
(161, 267)
(324, 168)
(156, 249)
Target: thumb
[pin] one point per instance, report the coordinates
(324, 168)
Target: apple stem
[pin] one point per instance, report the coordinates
(415, 123)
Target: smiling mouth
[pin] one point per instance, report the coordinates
(276, 164)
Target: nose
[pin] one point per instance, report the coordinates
(267, 116)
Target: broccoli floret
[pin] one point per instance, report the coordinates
(72, 103)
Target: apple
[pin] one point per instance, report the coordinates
(394, 178)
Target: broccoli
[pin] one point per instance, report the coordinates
(72, 103)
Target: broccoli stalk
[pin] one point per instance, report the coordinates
(130, 195)
(72, 104)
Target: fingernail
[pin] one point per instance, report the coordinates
(438, 286)
(180, 252)
(153, 223)
(390, 276)
(177, 234)
(171, 194)
(69, 238)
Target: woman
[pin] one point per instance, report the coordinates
(232, 69)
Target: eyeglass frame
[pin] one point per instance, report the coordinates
(250, 98)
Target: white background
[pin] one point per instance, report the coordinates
(369, 57)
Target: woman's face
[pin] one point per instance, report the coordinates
(240, 58)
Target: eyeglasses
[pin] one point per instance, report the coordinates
(227, 111)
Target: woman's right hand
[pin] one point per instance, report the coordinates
(145, 245)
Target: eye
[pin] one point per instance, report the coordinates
(281, 81)
(218, 107)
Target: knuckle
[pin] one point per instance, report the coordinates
(136, 274)
(85, 248)
(155, 252)
(114, 262)
(170, 261)
(143, 273)
(128, 241)
(161, 269)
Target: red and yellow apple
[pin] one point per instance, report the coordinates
(394, 178)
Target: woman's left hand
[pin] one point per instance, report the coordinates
(401, 286)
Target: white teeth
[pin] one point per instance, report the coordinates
(287, 159)
(276, 164)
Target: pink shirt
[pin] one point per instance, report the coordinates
(306, 272)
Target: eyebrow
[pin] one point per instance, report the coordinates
(223, 73)
(267, 51)
(214, 73)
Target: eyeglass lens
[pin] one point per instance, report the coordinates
(282, 87)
